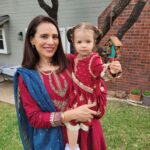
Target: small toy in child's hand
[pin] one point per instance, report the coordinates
(103, 53)
(113, 48)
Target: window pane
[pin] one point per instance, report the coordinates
(1, 34)
(1, 44)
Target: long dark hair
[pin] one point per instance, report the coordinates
(31, 56)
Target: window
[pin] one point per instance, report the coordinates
(65, 42)
(70, 48)
(3, 48)
(63, 39)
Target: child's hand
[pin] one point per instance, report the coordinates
(115, 67)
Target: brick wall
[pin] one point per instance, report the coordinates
(135, 53)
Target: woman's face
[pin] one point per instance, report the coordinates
(46, 40)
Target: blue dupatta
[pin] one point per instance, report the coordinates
(36, 138)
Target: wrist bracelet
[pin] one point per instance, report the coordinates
(62, 117)
(55, 119)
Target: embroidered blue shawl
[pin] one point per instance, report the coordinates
(36, 138)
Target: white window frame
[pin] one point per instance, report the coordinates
(3, 51)
(68, 47)
(63, 37)
(68, 43)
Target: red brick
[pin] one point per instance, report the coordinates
(135, 53)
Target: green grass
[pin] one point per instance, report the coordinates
(125, 127)
(9, 136)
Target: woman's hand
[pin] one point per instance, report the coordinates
(115, 67)
(82, 113)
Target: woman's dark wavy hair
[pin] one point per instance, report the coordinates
(31, 56)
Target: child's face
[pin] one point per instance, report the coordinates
(83, 41)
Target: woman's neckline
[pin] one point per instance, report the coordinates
(48, 71)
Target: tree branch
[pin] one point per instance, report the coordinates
(132, 18)
(51, 11)
(54, 8)
(113, 14)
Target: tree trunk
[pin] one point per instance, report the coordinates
(132, 18)
(113, 14)
(51, 11)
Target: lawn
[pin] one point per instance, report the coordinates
(9, 136)
(125, 127)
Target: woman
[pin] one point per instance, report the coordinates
(44, 83)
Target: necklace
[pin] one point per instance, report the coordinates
(47, 69)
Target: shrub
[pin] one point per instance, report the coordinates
(136, 91)
(146, 93)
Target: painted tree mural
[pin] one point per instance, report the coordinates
(117, 9)
(52, 11)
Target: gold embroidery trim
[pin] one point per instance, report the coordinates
(89, 66)
(57, 81)
(61, 105)
(81, 85)
(61, 92)
(68, 73)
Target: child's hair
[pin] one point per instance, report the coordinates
(84, 25)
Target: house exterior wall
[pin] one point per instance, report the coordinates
(21, 12)
(135, 53)
(72, 12)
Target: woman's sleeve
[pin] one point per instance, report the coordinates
(36, 117)
(70, 57)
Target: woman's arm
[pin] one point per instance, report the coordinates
(82, 113)
(39, 119)
(36, 117)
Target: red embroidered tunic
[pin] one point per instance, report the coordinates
(58, 87)
(88, 85)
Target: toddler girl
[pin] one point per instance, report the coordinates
(88, 84)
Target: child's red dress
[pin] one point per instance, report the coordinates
(88, 86)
